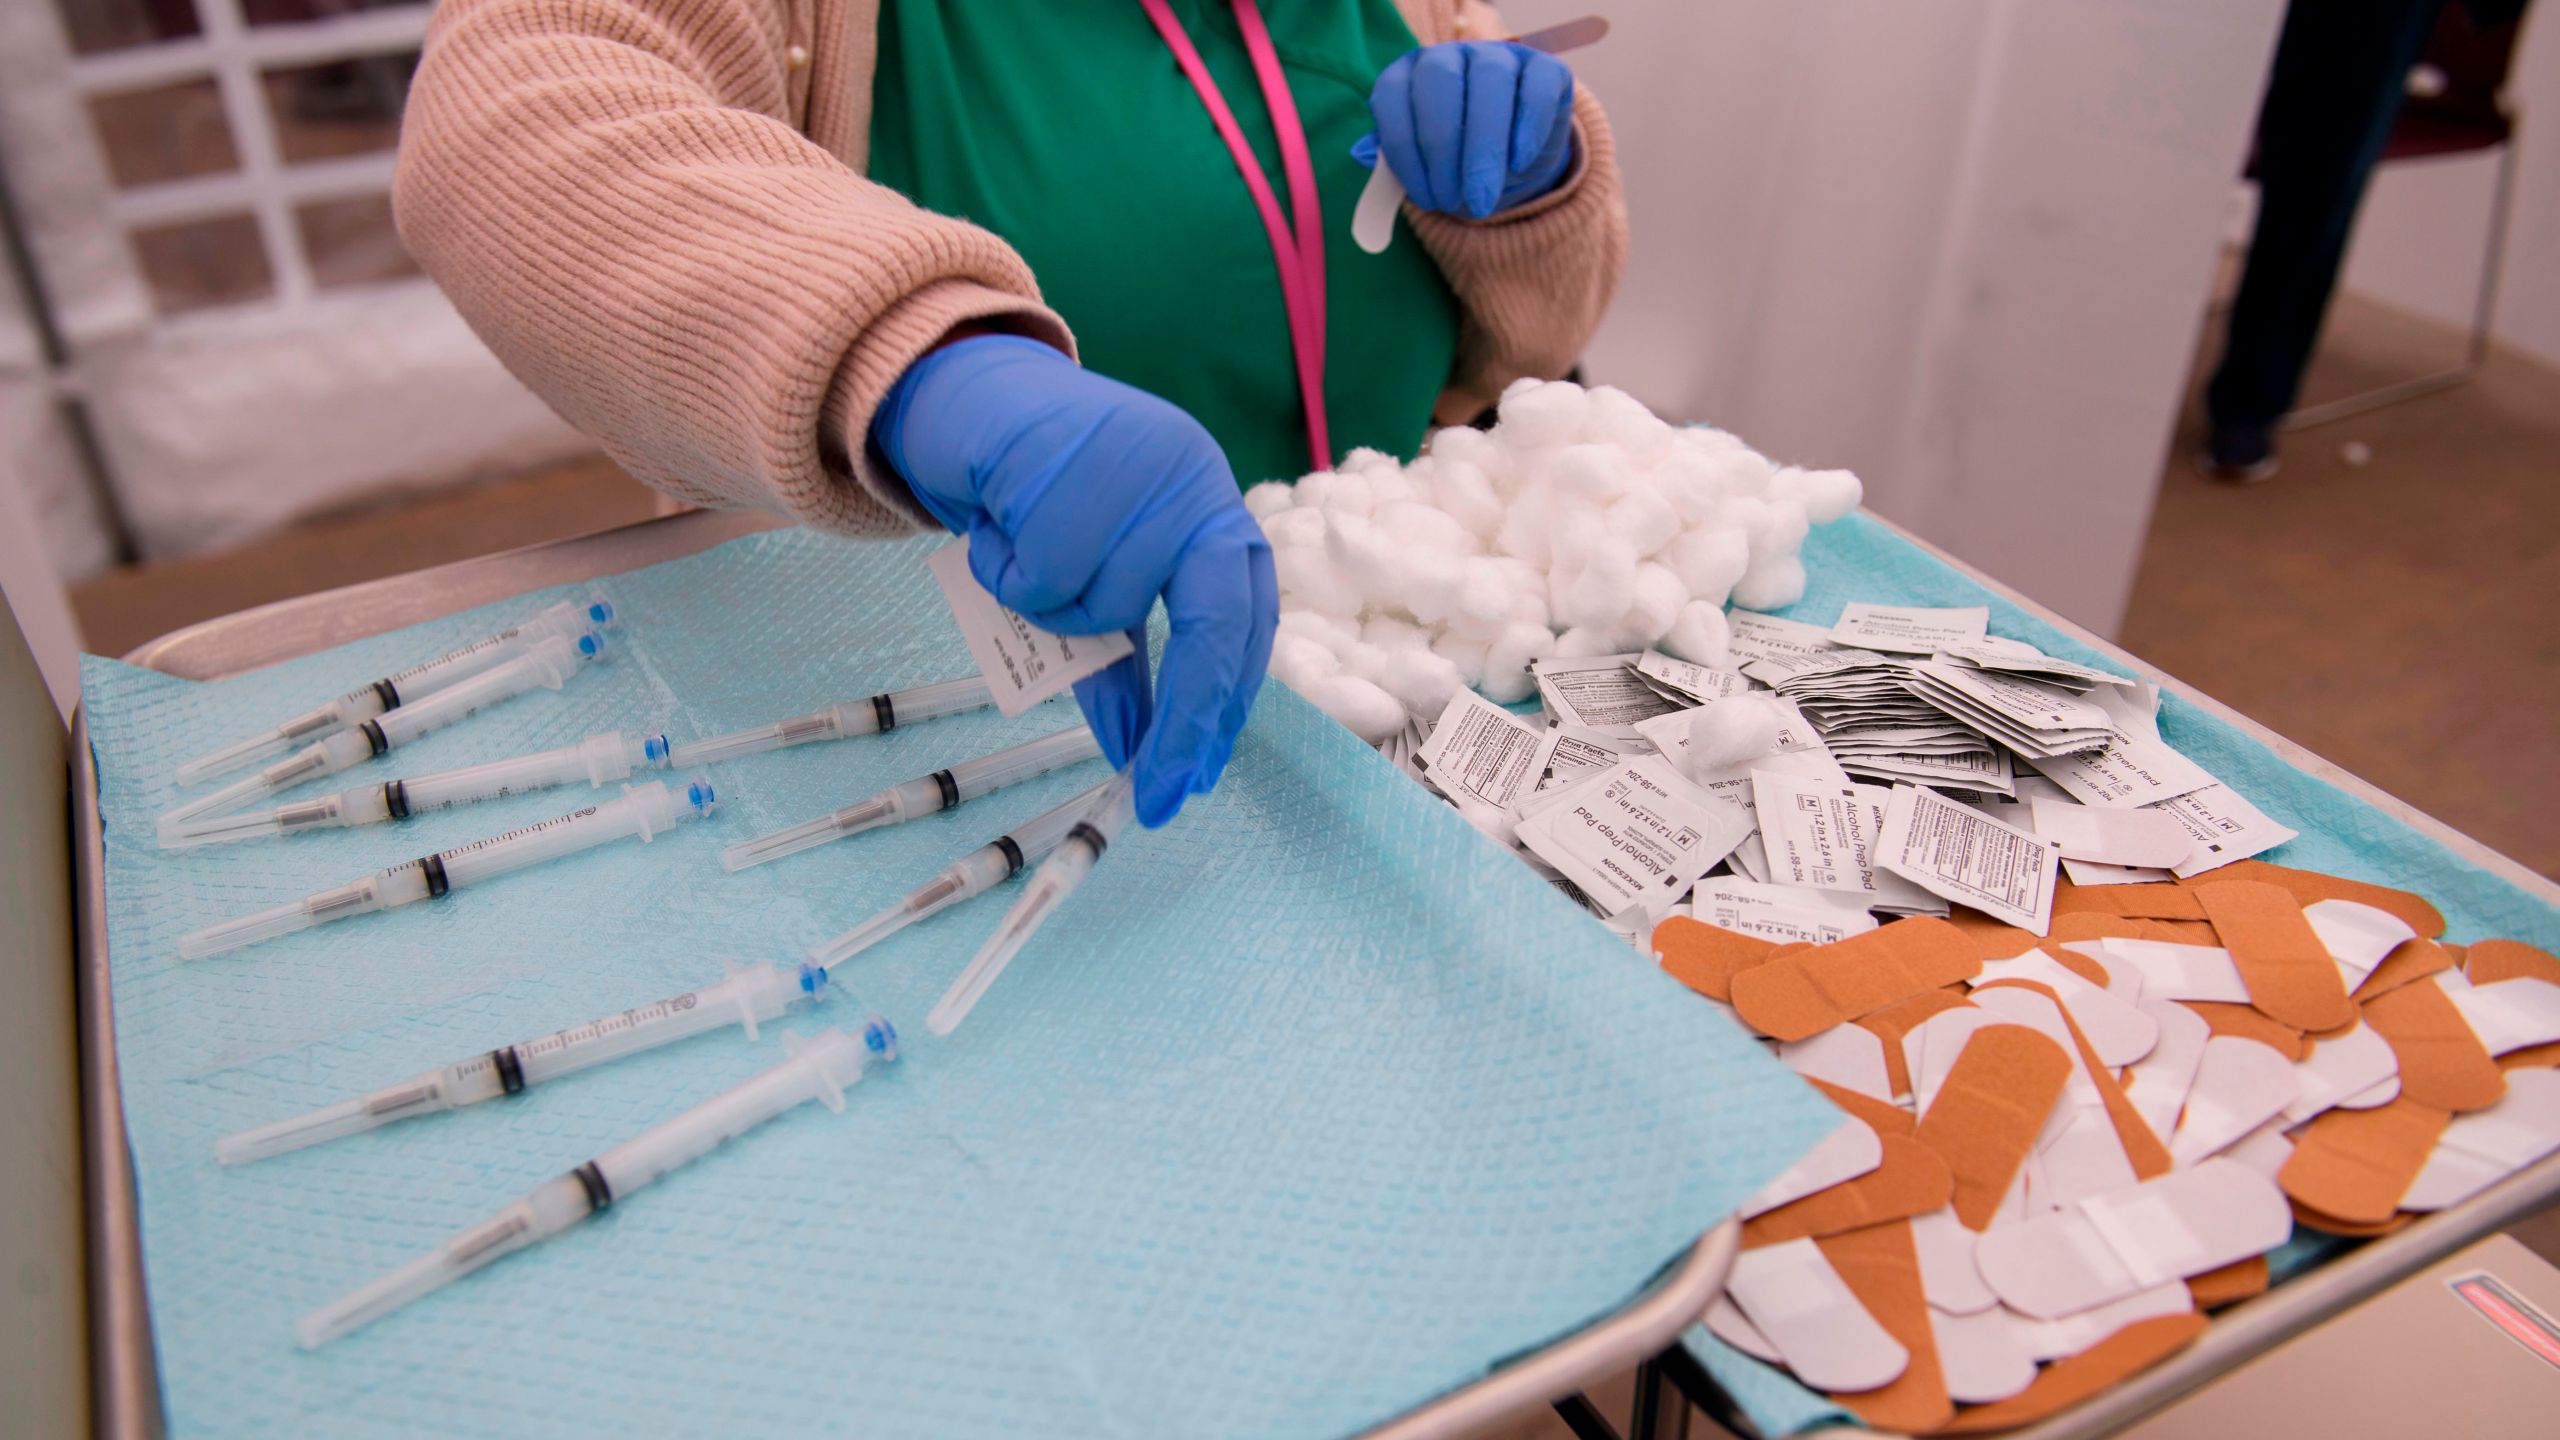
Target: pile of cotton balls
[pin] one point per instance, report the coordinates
(1580, 525)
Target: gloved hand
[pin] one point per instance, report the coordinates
(1472, 126)
(1084, 499)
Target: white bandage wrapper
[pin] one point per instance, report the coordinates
(1810, 1315)
(2357, 936)
(1602, 692)
(2086, 1159)
(2071, 1334)
(1821, 836)
(1849, 1056)
(1482, 752)
(1846, 1153)
(1699, 682)
(1727, 1323)
(2120, 1033)
(2109, 1247)
(2240, 1085)
(2339, 1067)
(2226, 828)
(2170, 971)
(2511, 1014)
(1980, 1355)
(1024, 664)
(1930, 1048)
(2484, 1147)
(2159, 1081)
(2265, 1149)
(1776, 913)
(1758, 637)
(1947, 1273)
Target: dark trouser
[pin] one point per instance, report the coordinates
(2341, 69)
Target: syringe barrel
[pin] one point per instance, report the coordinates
(596, 760)
(927, 702)
(643, 810)
(820, 1068)
(382, 890)
(1025, 761)
(1042, 833)
(746, 997)
(545, 664)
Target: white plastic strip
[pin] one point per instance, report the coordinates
(2159, 1081)
(2118, 1032)
(2174, 972)
(2480, 1149)
(2356, 935)
(1845, 1154)
(2511, 1014)
(1981, 1356)
(1849, 1056)
(1947, 1273)
(1727, 1323)
(2240, 1085)
(1796, 1300)
(2105, 1249)
(2338, 1067)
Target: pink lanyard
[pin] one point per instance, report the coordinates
(1300, 258)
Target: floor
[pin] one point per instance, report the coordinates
(2400, 575)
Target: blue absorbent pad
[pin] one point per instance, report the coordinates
(1305, 1109)
(1859, 559)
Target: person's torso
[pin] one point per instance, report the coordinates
(1067, 129)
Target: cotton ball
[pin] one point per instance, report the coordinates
(1291, 528)
(1574, 531)
(1644, 520)
(1701, 635)
(1368, 463)
(1597, 473)
(1433, 581)
(1506, 662)
(1421, 680)
(1363, 708)
(1392, 487)
(1468, 655)
(1365, 661)
(1349, 494)
(1312, 490)
(1307, 625)
(1268, 499)
(1659, 599)
(1524, 532)
(1310, 578)
(1602, 589)
(1691, 484)
(1299, 664)
(1614, 417)
(1419, 527)
(1461, 492)
(1465, 445)
(1708, 562)
(1362, 556)
(1729, 731)
(1776, 530)
(1539, 413)
(1530, 607)
(1389, 633)
(1774, 586)
(1481, 605)
(1826, 495)
(1586, 642)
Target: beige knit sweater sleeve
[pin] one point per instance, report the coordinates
(612, 194)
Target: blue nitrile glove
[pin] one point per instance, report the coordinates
(1472, 126)
(1084, 499)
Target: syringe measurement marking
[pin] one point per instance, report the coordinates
(518, 834)
(474, 648)
(594, 1030)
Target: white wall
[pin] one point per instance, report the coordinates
(1961, 247)
(2419, 241)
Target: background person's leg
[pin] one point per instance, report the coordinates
(2340, 73)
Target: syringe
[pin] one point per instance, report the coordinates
(1056, 879)
(921, 796)
(565, 621)
(547, 665)
(644, 810)
(876, 715)
(598, 760)
(820, 1069)
(744, 997)
(972, 875)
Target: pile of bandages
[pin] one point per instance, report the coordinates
(2093, 1059)
(1579, 525)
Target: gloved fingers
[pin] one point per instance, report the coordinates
(1364, 151)
(1139, 557)
(1439, 120)
(1484, 132)
(1117, 702)
(1264, 578)
(1391, 109)
(1542, 119)
(997, 562)
(1220, 639)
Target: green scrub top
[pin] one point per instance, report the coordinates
(1066, 127)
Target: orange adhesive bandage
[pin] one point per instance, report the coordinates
(1793, 996)
(1986, 1116)
(2409, 960)
(2442, 1062)
(2356, 1164)
(2288, 971)
(1911, 1181)
(2491, 961)
(2309, 887)
(1706, 957)
(2072, 1379)
(1881, 1266)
